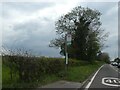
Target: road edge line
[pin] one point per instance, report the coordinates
(88, 85)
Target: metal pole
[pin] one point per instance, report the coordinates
(66, 54)
(66, 58)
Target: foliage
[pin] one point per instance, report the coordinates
(30, 69)
(76, 72)
(20, 69)
(87, 36)
(81, 73)
(103, 56)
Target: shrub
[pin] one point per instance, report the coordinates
(34, 68)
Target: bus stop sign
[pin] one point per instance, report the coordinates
(69, 39)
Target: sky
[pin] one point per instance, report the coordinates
(31, 25)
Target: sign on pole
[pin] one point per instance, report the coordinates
(68, 42)
(69, 39)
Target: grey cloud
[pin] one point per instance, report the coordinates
(36, 36)
(29, 27)
(113, 41)
(27, 6)
(23, 7)
(112, 48)
(103, 7)
(119, 29)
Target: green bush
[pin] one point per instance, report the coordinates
(33, 68)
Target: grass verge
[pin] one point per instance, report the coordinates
(75, 73)
(80, 73)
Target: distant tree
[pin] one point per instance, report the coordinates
(104, 57)
(87, 36)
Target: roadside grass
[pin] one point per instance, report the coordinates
(80, 73)
(5, 74)
(49, 79)
(6, 78)
(73, 73)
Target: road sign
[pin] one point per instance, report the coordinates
(69, 39)
(111, 81)
(68, 42)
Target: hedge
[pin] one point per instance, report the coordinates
(34, 68)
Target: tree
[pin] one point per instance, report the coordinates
(104, 57)
(87, 36)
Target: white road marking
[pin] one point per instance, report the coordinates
(108, 84)
(115, 81)
(88, 85)
(107, 80)
(110, 81)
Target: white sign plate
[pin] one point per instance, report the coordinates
(69, 39)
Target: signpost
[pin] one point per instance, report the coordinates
(67, 42)
(69, 39)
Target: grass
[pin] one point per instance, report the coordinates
(5, 74)
(10, 83)
(76, 74)
(6, 77)
(80, 73)
(49, 79)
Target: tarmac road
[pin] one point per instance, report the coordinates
(107, 76)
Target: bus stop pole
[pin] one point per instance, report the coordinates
(66, 53)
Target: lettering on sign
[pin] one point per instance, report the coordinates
(109, 81)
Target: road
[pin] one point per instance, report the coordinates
(107, 77)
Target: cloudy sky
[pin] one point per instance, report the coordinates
(31, 25)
